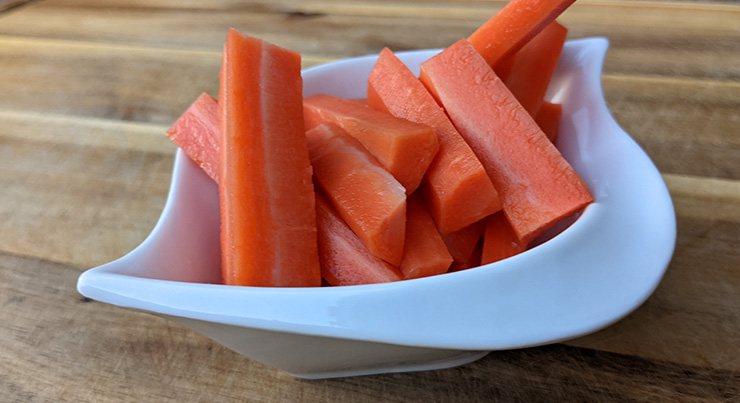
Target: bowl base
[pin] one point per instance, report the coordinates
(457, 359)
(316, 357)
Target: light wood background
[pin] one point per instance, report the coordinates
(88, 88)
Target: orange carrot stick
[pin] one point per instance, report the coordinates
(534, 65)
(364, 194)
(404, 148)
(196, 133)
(535, 183)
(513, 26)
(268, 215)
(457, 188)
(499, 241)
(461, 243)
(473, 260)
(504, 66)
(344, 258)
(548, 119)
(425, 253)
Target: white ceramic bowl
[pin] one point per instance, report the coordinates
(592, 274)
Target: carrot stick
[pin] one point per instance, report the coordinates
(534, 65)
(404, 148)
(364, 194)
(473, 260)
(499, 241)
(461, 243)
(196, 133)
(548, 119)
(457, 188)
(268, 215)
(513, 26)
(535, 183)
(504, 66)
(424, 253)
(344, 258)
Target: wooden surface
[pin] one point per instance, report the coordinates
(88, 88)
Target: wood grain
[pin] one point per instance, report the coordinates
(167, 362)
(137, 83)
(343, 28)
(675, 119)
(6, 5)
(88, 88)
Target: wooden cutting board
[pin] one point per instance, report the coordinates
(88, 88)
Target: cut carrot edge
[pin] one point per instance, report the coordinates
(196, 132)
(513, 26)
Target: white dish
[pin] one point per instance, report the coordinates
(592, 274)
